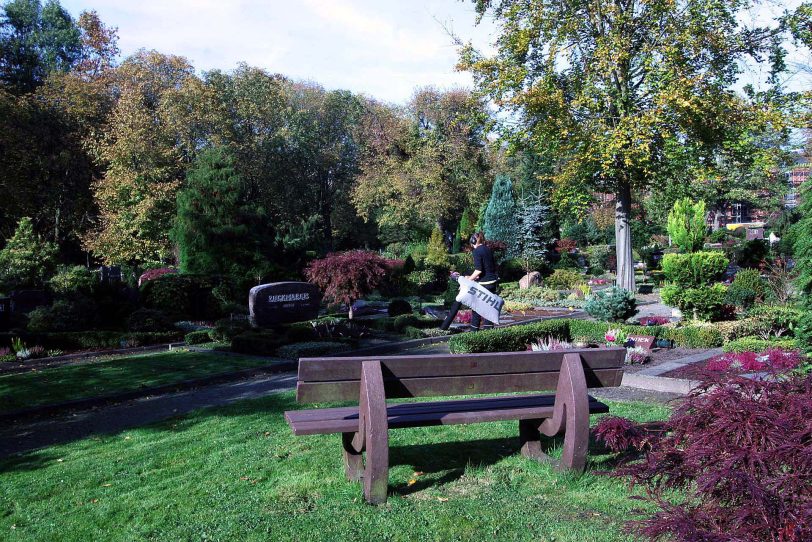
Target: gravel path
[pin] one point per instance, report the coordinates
(77, 425)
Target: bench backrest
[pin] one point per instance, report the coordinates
(338, 379)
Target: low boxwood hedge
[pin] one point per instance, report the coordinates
(516, 338)
(197, 337)
(756, 344)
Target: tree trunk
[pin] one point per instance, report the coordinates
(623, 237)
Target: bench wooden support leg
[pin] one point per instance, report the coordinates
(373, 431)
(570, 415)
(353, 458)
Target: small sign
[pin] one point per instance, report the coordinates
(754, 233)
(642, 341)
(283, 302)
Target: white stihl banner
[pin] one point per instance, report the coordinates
(481, 300)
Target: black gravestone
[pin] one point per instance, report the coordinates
(282, 302)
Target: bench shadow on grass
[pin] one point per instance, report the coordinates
(452, 458)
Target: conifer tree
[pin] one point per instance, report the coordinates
(535, 235)
(437, 252)
(501, 216)
(802, 232)
(26, 259)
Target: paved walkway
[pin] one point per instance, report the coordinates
(112, 419)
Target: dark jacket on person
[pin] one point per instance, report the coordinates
(484, 262)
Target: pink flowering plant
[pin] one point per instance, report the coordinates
(615, 337)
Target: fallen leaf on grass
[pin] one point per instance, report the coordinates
(411, 482)
(419, 473)
(106, 485)
(442, 499)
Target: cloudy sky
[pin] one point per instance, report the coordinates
(384, 48)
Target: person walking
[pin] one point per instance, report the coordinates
(485, 273)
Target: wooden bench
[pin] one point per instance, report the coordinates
(372, 381)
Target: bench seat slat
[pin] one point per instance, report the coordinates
(436, 365)
(310, 392)
(345, 419)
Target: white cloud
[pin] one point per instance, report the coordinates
(382, 48)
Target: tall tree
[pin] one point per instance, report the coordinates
(145, 161)
(36, 40)
(219, 230)
(424, 164)
(501, 220)
(612, 84)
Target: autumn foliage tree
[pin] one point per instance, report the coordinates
(346, 277)
(615, 90)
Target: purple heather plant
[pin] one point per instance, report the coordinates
(739, 450)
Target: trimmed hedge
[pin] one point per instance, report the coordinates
(412, 320)
(312, 349)
(516, 338)
(197, 337)
(261, 343)
(756, 344)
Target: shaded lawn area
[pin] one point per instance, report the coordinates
(237, 473)
(129, 373)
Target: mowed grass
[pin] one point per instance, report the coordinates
(237, 473)
(129, 373)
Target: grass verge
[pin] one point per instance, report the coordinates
(237, 473)
(67, 383)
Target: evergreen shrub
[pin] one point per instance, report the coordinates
(563, 279)
(398, 306)
(696, 269)
(612, 305)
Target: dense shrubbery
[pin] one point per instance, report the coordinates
(705, 303)
(149, 320)
(756, 344)
(63, 315)
(612, 304)
(412, 320)
(181, 296)
(398, 306)
(516, 338)
(346, 277)
(732, 462)
(696, 269)
(747, 288)
(91, 340)
(197, 337)
(226, 329)
(74, 279)
(563, 279)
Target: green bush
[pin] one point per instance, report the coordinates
(226, 329)
(597, 257)
(536, 295)
(181, 296)
(312, 349)
(696, 269)
(90, 340)
(412, 332)
(300, 332)
(197, 337)
(398, 306)
(695, 336)
(508, 339)
(568, 261)
(412, 320)
(260, 343)
(612, 305)
(779, 319)
(736, 329)
(706, 303)
(462, 262)
(756, 344)
(63, 315)
(73, 279)
(751, 254)
(686, 224)
(563, 279)
(747, 288)
(149, 320)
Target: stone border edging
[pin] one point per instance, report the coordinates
(102, 400)
(681, 386)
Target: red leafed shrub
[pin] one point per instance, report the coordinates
(345, 277)
(394, 264)
(739, 450)
(744, 362)
(153, 274)
(565, 245)
(621, 434)
(654, 320)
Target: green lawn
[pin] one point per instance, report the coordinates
(120, 374)
(236, 473)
